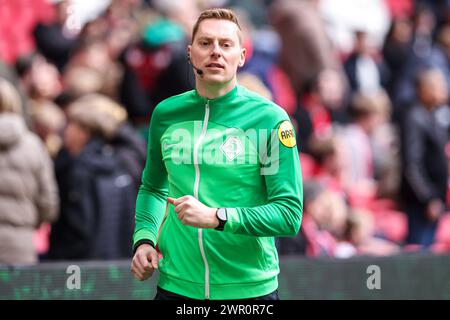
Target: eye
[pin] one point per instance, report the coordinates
(203, 43)
(227, 44)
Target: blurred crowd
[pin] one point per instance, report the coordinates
(365, 82)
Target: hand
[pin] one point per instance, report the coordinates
(193, 213)
(145, 262)
(434, 209)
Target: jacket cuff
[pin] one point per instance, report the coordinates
(142, 241)
(233, 220)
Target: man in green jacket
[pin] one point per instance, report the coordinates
(222, 179)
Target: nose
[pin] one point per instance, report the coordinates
(215, 51)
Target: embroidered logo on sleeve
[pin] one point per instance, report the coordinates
(286, 134)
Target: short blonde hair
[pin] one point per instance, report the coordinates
(97, 113)
(47, 114)
(216, 13)
(253, 83)
(374, 102)
(82, 80)
(9, 98)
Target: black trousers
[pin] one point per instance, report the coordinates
(162, 294)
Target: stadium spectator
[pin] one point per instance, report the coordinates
(360, 238)
(365, 68)
(56, 40)
(425, 133)
(48, 121)
(253, 83)
(369, 114)
(261, 61)
(328, 153)
(28, 190)
(323, 103)
(397, 48)
(91, 61)
(39, 79)
(155, 69)
(97, 190)
(306, 46)
(425, 54)
(323, 213)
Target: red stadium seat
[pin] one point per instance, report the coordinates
(308, 165)
(392, 224)
(442, 238)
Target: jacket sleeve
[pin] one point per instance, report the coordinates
(153, 191)
(47, 199)
(282, 215)
(414, 152)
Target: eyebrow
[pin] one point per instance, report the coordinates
(206, 37)
(209, 38)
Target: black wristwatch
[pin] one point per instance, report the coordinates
(221, 214)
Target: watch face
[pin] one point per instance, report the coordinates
(222, 214)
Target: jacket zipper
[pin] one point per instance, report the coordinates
(196, 186)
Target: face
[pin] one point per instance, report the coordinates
(45, 80)
(75, 138)
(363, 230)
(217, 51)
(331, 88)
(361, 43)
(433, 89)
(402, 31)
(318, 210)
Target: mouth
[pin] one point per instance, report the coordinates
(215, 65)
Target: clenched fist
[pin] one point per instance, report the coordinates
(145, 262)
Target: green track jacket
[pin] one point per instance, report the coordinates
(237, 152)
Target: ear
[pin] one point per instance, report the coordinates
(189, 48)
(242, 58)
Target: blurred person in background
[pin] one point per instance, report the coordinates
(360, 238)
(9, 74)
(363, 165)
(306, 48)
(365, 68)
(48, 121)
(57, 39)
(28, 190)
(155, 67)
(339, 209)
(253, 83)
(79, 81)
(320, 222)
(323, 103)
(397, 48)
(385, 144)
(442, 50)
(426, 53)
(183, 13)
(91, 60)
(330, 161)
(96, 187)
(425, 133)
(262, 61)
(38, 79)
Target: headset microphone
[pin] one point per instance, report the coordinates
(199, 71)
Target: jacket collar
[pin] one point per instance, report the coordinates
(227, 97)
